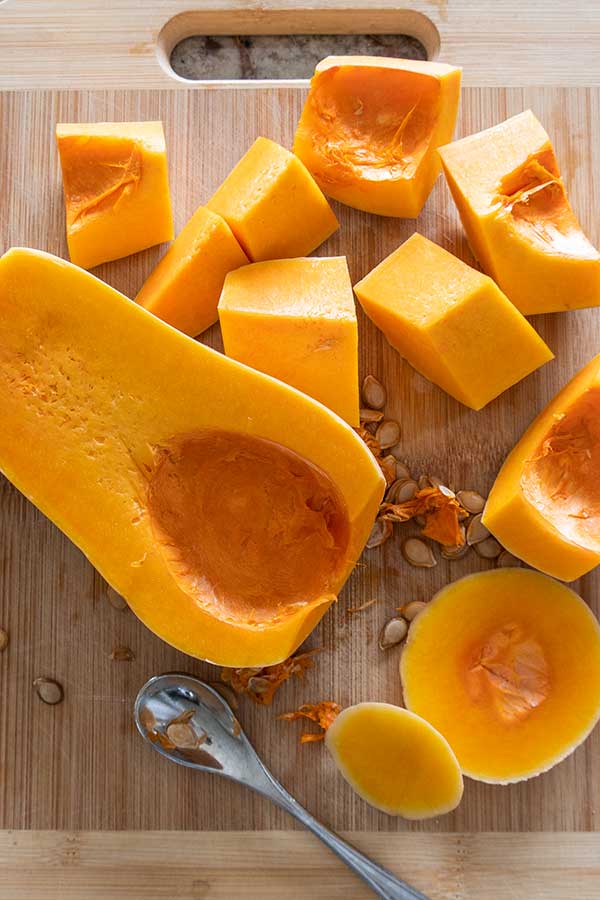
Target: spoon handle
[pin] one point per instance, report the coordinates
(380, 880)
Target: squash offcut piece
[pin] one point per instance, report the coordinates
(273, 205)
(451, 322)
(116, 189)
(395, 760)
(295, 319)
(545, 503)
(513, 205)
(227, 508)
(370, 128)
(506, 665)
(185, 286)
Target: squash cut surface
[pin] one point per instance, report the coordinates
(130, 436)
(506, 665)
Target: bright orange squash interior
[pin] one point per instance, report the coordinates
(506, 665)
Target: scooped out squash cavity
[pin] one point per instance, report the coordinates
(370, 128)
(226, 507)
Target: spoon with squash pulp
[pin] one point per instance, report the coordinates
(189, 723)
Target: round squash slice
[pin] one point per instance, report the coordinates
(506, 664)
(395, 760)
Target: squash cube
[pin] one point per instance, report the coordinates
(185, 286)
(370, 129)
(453, 324)
(116, 189)
(273, 205)
(514, 209)
(295, 319)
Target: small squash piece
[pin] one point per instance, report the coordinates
(395, 760)
(225, 507)
(370, 128)
(544, 506)
(185, 286)
(116, 189)
(506, 665)
(273, 205)
(453, 324)
(514, 209)
(295, 319)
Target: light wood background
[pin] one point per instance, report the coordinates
(80, 766)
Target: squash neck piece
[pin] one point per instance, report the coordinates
(248, 528)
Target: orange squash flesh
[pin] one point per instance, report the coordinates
(513, 204)
(185, 286)
(395, 760)
(506, 665)
(370, 128)
(148, 449)
(545, 503)
(116, 189)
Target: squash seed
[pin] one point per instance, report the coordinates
(402, 490)
(418, 553)
(402, 470)
(3, 639)
(369, 416)
(424, 482)
(373, 393)
(115, 600)
(122, 654)
(381, 531)
(459, 550)
(472, 501)
(48, 690)
(411, 610)
(508, 560)
(226, 692)
(388, 434)
(476, 532)
(388, 467)
(392, 633)
(183, 736)
(488, 549)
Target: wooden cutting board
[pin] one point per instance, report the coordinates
(79, 769)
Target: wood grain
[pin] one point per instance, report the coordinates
(62, 44)
(81, 765)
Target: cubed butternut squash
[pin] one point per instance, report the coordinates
(514, 208)
(453, 324)
(295, 319)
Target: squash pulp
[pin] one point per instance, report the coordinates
(226, 507)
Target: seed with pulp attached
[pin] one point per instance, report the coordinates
(392, 633)
(418, 553)
(3, 639)
(369, 416)
(48, 690)
(402, 490)
(476, 532)
(373, 393)
(411, 610)
(115, 600)
(506, 559)
(388, 434)
(381, 531)
(388, 467)
(488, 549)
(471, 500)
(122, 654)
(458, 551)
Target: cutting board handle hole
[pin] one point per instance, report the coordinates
(285, 44)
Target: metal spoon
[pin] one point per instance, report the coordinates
(214, 742)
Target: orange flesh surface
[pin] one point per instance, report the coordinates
(112, 171)
(250, 529)
(367, 124)
(562, 481)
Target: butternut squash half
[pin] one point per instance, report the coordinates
(370, 129)
(226, 507)
(545, 503)
(506, 665)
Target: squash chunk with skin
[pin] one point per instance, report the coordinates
(227, 508)
(514, 209)
(116, 189)
(453, 324)
(295, 319)
(273, 205)
(506, 665)
(184, 288)
(370, 128)
(545, 503)
(395, 760)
